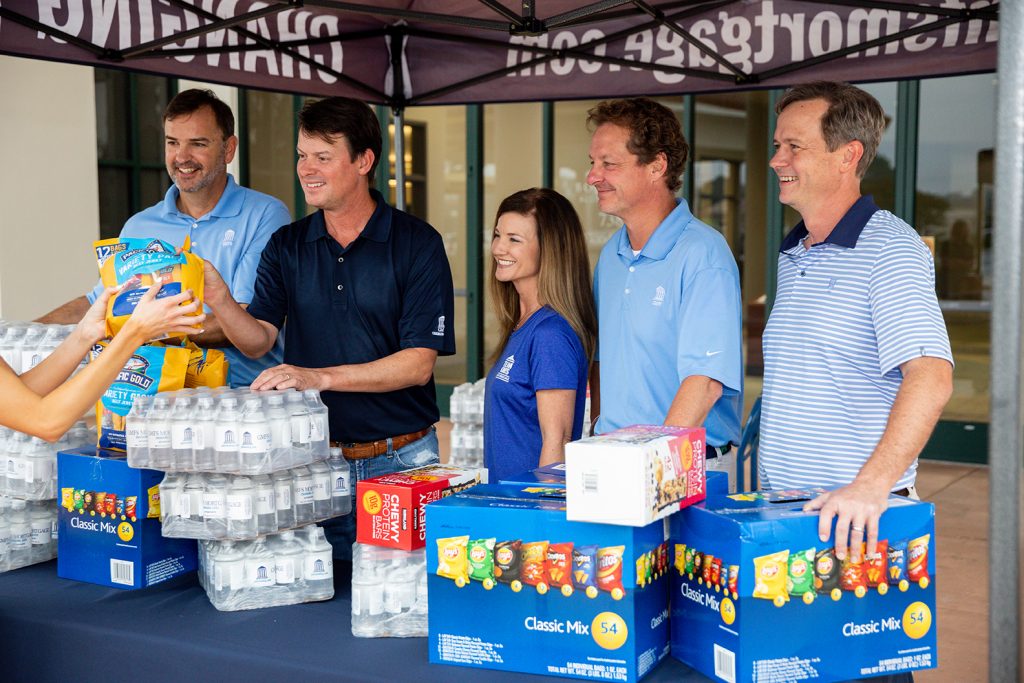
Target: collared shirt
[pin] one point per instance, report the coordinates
(668, 313)
(848, 311)
(231, 236)
(389, 290)
(545, 353)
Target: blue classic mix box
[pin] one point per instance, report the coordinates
(515, 586)
(757, 596)
(109, 523)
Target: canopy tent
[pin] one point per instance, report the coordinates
(418, 52)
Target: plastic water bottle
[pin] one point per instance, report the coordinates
(321, 490)
(284, 499)
(367, 603)
(255, 438)
(26, 346)
(20, 545)
(204, 453)
(288, 557)
(266, 509)
(318, 565)
(182, 433)
(303, 495)
(259, 569)
(5, 540)
(319, 429)
(136, 431)
(226, 435)
(280, 433)
(240, 508)
(39, 461)
(39, 520)
(214, 504)
(17, 446)
(10, 342)
(301, 428)
(5, 440)
(158, 423)
(190, 508)
(341, 484)
(228, 574)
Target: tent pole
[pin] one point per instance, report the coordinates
(1007, 440)
(398, 118)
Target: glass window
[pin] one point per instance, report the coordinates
(880, 180)
(955, 179)
(152, 94)
(271, 145)
(115, 200)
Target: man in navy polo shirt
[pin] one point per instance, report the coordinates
(857, 359)
(667, 286)
(226, 224)
(367, 294)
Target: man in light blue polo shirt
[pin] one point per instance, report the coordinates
(857, 359)
(226, 224)
(667, 286)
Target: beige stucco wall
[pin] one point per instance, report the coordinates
(49, 212)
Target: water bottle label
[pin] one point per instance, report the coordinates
(205, 436)
(159, 436)
(53, 529)
(15, 468)
(236, 577)
(318, 565)
(259, 572)
(318, 427)
(239, 507)
(20, 541)
(322, 486)
(369, 600)
(265, 502)
(136, 435)
(34, 470)
(341, 484)
(182, 436)
(220, 576)
(41, 533)
(181, 505)
(256, 440)
(213, 506)
(304, 494)
(284, 570)
(281, 433)
(12, 466)
(301, 428)
(225, 438)
(284, 496)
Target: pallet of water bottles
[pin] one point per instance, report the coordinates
(28, 532)
(28, 464)
(389, 592)
(230, 431)
(217, 506)
(280, 569)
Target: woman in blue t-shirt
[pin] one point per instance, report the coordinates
(540, 285)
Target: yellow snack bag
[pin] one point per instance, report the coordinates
(770, 573)
(151, 369)
(137, 264)
(67, 498)
(452, 560)
(206, 367)
(680, 562)
(153, 498)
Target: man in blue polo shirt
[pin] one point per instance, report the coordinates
(667, 286)
(367, 293)
(857, 359)
(226, 224)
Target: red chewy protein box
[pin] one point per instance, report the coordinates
(390, 508)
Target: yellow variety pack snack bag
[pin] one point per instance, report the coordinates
(151, 369)
(136, 264)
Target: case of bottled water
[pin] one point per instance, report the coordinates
(389, 592)
(230, 431)
(28, 465)
(278, 569)
(24, 345)
(238, 507)
(28, 532)
(466, 411)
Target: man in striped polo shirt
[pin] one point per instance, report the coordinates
(858, 365)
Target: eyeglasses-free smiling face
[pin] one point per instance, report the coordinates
(809, 175)
(330, 177)
(515, 246)
(195, 151)
(623, 183)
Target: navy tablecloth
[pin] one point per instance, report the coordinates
(53, 629)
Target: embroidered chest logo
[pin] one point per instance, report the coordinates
(659, 296)
(229, 238)
(439, 332)
(506, 368)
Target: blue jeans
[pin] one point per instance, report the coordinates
(341, 532)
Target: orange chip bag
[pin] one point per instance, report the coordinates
(917, 558)
(535, 557)
(559, 564)
(609, 568)
(876, 568)
(852, 576)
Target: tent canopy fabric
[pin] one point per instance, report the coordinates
(416, 52)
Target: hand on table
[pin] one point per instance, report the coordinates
(856, 507)
(288, 377)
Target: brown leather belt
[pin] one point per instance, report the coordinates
(371, 449)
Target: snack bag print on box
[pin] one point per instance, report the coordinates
(137, 264)
(561, 598)
(634, 475)
(757, 596)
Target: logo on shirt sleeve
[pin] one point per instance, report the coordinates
(506, 368)
(659, 296)
(439, 332)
